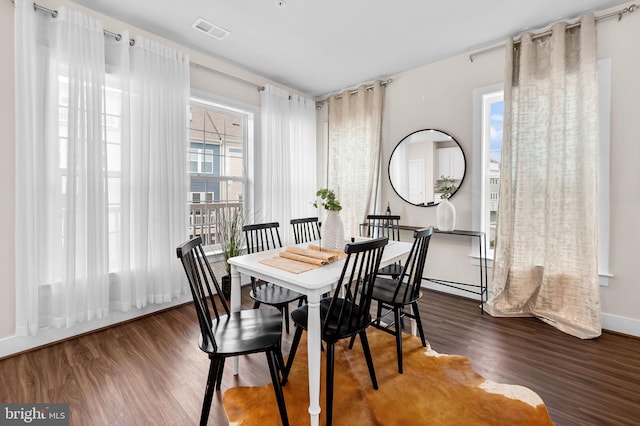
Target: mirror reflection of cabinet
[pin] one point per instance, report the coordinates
(450, 163)
(419, 162)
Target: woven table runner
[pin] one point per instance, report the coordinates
(340, 254)
(297, 260)
(289, 265)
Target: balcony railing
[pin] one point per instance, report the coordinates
(205, 219)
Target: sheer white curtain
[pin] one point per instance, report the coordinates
(154, 181)
(61, 186)
(287, 177)
(546, 254)
(101, 179)
(355, 124)
(303, 156)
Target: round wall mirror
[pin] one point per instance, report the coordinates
(423, 163)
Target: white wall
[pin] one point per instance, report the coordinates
(7, 172)
(620, 300)
(440, 96)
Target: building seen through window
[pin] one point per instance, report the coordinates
(493, 117)
(216, 165)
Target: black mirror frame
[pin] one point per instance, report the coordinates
(464, 158)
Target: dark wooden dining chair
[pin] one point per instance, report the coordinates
(226, 334)
(305, 229)
(382, 225)
(343, 317)
(394, 294)
(261, 237)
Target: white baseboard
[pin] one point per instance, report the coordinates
(610, 322)
(451, 290)
(619, 324)
(16, 344)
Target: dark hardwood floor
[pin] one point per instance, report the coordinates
(150, 371)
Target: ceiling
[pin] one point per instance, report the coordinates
(324, 46)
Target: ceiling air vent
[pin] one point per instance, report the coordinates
(210, 29)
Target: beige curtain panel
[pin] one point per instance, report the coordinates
(546, 251)
(355, 126)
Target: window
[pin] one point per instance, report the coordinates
(492, 120)
(489, 112)
(218, 136)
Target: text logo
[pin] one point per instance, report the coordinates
(34, 414)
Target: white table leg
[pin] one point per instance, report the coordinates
(414, 327)
(313, 347)
(236, 296)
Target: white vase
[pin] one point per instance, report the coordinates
(332, 231)
(446, 215)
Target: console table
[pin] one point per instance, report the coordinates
(478, 289)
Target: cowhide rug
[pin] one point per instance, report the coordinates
(434, 390)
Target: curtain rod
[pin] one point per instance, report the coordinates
(354, 91)
(54, 14)
(620, 13)
(233, 77)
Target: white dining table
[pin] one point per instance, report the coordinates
(313, 284)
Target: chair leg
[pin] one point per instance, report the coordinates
(398, 319)
(292, 354)
(285, 318)
(208, 393)
(416, 317)
(280, 361)
(329, 379)
(254, 289)
(272, 361)
(352, 341)
(367, 356)
(220, 372)
(379, 312)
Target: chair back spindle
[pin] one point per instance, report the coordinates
(379, 225)
(262, 236)
(305, 229)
